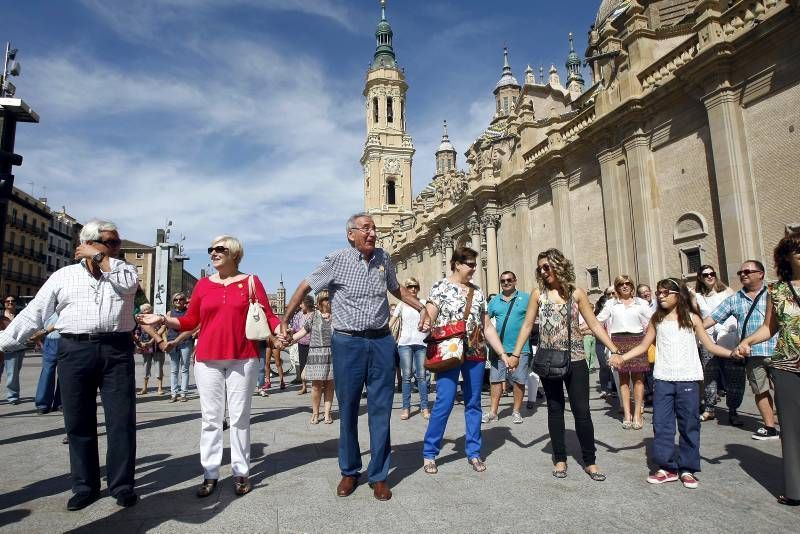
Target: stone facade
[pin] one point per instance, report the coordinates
(682, 151)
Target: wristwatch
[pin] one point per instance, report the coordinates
(97, 258)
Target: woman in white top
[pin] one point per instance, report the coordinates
(626, 317)
(709, 293)
(675, 329)
(411, 346)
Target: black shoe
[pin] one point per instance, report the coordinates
(539, 395)
(127, 498)
(207, 487)
(733, 419)
(14, 402)
(529, 406)
(65, 441)
(79, 501)
(42, 411)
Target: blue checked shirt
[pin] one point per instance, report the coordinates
(737, 305)
(357, 288)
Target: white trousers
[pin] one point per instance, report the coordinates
(533, 380)
(214, 379)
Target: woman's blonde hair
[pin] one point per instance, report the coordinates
(621, 279)
(324, 296)
(411, 282)
(233, 245)
(562, 268)
(146, 305)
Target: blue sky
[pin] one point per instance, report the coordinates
(246, 116)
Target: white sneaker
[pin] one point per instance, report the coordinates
(516, 418)
(488, 417)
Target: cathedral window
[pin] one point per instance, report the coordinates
(391, 195)
(402, 113)
(389, 110)
(505, 105)
(375, 109)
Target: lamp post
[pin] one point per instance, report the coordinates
(12, 111)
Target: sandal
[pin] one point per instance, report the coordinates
(430, 467)
(597, 476)
(207, 487)
(404, 415)
(637, 425)
(627, 425)
(708, 416)
(314, 419)
(241, 485)
(560, 473)
(328, 420)
(477, 465)
(426, 414)
(786, 501)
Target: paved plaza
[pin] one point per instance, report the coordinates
(294, 470)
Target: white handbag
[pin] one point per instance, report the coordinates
(256, 327)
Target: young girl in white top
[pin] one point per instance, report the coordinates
(675, 328)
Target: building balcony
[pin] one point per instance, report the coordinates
(22, 278)
(18, 223)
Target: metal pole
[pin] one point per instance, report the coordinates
(5, 69)
(8, 129)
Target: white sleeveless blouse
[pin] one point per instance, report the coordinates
(677, 358)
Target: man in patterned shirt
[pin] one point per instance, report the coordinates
(358, 278)
(94, 301)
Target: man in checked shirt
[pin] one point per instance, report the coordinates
(94, 301)
(362, 346)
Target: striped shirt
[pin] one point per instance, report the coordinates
(737, 305)
(85, 305)
(357, 288)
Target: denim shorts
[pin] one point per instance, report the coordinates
(499, 373)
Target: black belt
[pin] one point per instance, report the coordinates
(100, 336)
(369, 334)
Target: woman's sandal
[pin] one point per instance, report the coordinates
(426, 414)
(404, 415)
(314, 419)
(707, 416)
(477, 465)
(560, 473)
(241, 485)
(430, 468)
(328, 420)
(637, 425)
(597, 476)
(207, 487)
(627, 425)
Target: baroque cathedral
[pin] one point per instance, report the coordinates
(681, 150)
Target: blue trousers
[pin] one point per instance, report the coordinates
(359, 361)
(412, 360)
(676, 401)
(48, 392)
(13, 366)
(179, 364)
(446, 384)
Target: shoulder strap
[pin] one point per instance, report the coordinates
(508, 314)
(750, 312)
(468, 307)
(569, 324)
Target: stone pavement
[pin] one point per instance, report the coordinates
(294, 471)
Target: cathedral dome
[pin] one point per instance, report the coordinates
(607, 8)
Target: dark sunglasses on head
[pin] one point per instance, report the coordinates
(110, 243)
(710, 274)
(747, 272)
(219, 249)
(544, 268)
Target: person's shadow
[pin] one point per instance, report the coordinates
(764, 468)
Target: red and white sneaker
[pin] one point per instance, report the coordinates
(689, 480)
(661, 476)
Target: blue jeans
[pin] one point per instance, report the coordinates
(358, 361)
(48, 392)
(262, 365)
(446, 384)
(179, 361)
(413, 356)
(13, 366)
(676, 401)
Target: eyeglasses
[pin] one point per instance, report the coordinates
(710, 274)
(412, 287)
(219, 249)
(10, 301)
(506, 280)
(624, 284)
(544, 268)
(470, 264)
(178, 300)
(365, 229)
(110, 243)
(747, 272)
(666, 292)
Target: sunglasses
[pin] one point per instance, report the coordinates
(747, 272)
(625, 284)
(470, 264)
(110, 243)
(666, 292)
(710, 274)
(10, 301)
(412, 287)
(178, 300)
(506, 280)
(544, 268)
(219, 249)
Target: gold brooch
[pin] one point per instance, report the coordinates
(240, 286)
(381, 269)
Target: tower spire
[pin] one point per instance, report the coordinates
(384, 53)
(573, 64)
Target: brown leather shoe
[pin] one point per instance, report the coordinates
(381, 490)
(346, 486)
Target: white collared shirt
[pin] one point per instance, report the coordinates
(630, 319)
(85, 305)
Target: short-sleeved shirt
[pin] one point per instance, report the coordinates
(787, 315)
(451, 299)
(737, 305)
(498, 310)
(357, 288)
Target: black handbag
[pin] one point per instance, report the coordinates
(554, 363)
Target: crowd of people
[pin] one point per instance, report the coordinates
(681, 348)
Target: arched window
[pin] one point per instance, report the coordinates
(391, 196)
(375, 109)
(505, 104)
(389, 110)
(402, 113)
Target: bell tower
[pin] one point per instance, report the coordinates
(388, 150)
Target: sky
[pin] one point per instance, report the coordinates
(245, 117)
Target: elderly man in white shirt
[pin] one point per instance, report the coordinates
(94, 300)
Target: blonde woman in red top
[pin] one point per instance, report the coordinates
(226, 361)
